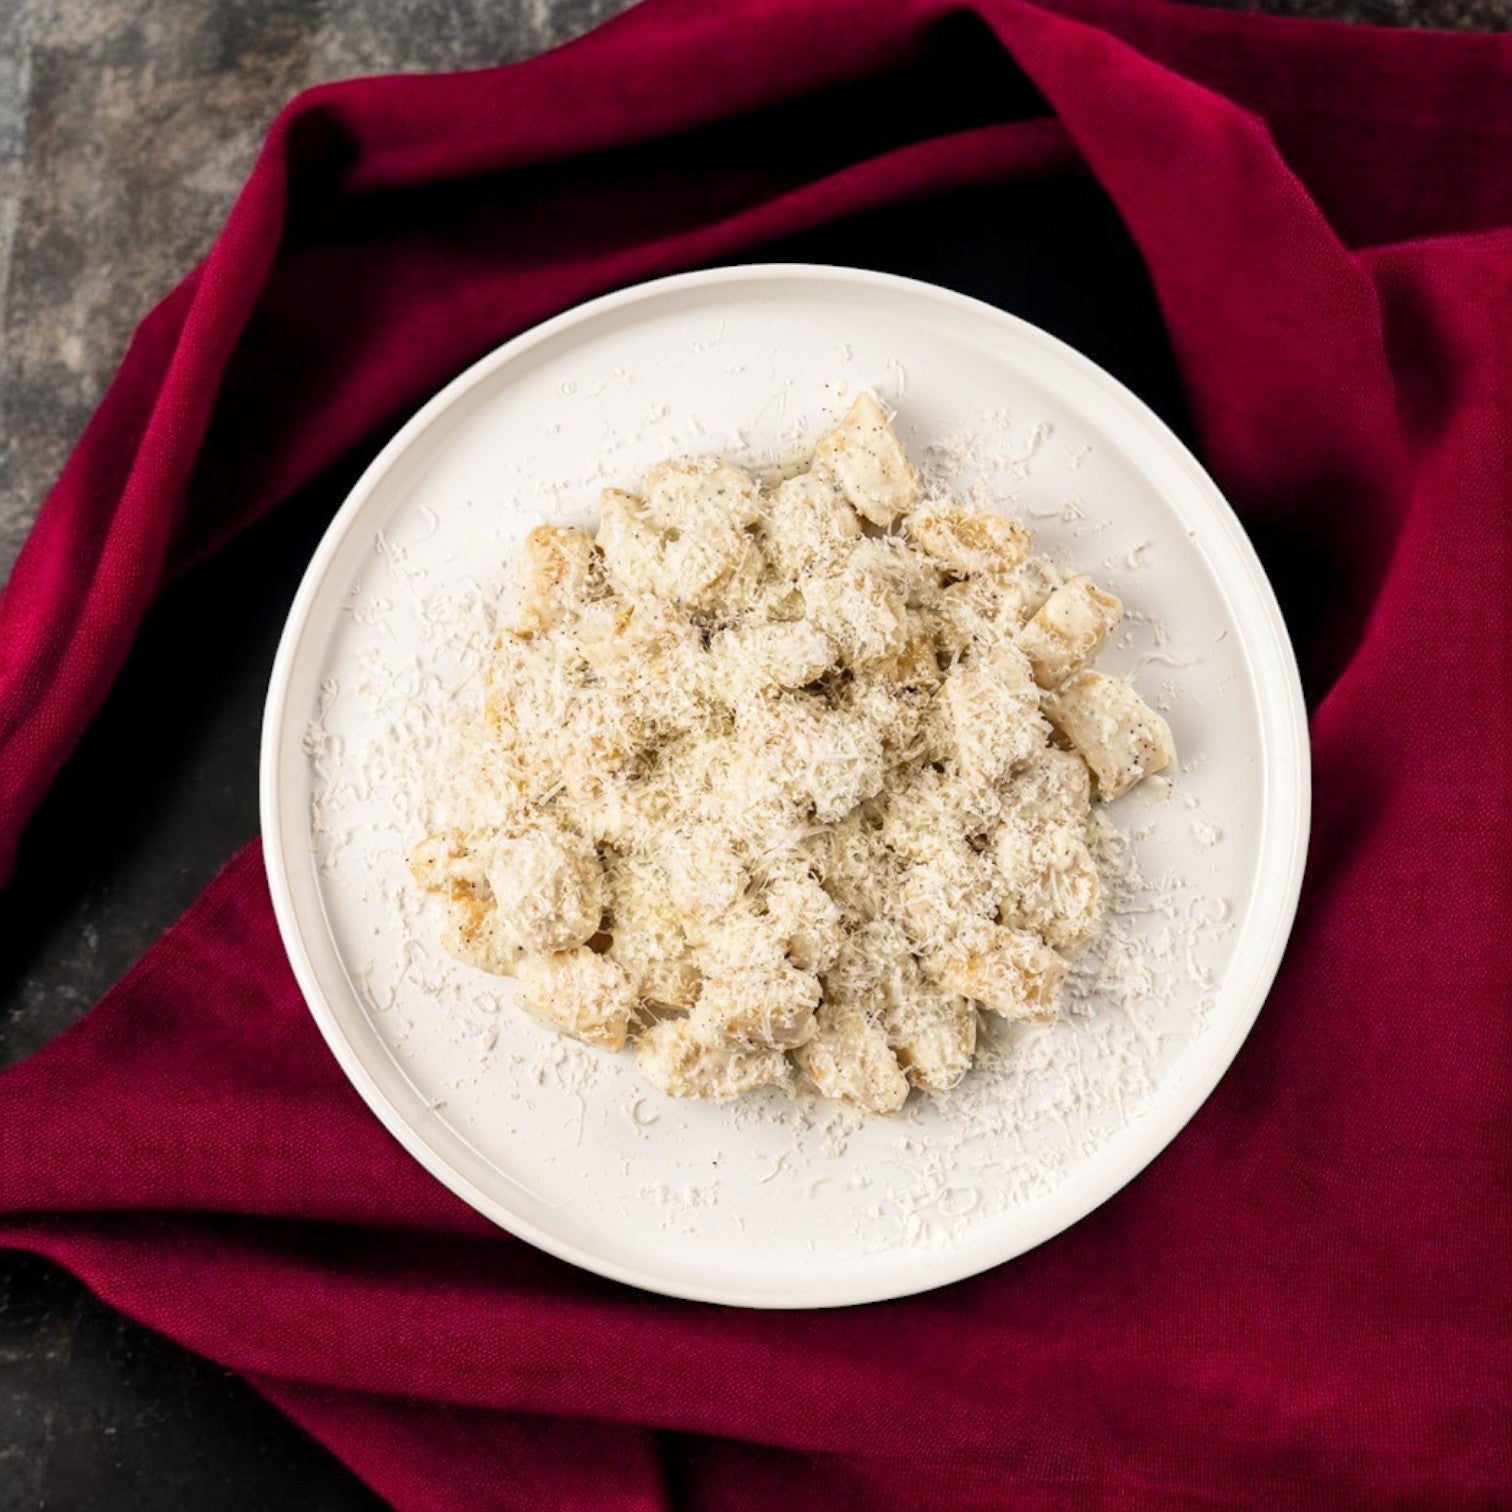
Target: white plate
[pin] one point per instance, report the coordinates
(772, 1202)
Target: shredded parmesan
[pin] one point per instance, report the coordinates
(760, 777)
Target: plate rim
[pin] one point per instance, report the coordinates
(1159, 1125)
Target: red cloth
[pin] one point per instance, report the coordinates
(1303, 1302)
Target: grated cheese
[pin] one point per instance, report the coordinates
(759, 777)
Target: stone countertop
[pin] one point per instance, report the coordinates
(126, 127)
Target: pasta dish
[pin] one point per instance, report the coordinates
(790, 779)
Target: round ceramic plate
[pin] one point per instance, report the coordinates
(781, 1200)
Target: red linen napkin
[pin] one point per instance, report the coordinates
(1303, 1302)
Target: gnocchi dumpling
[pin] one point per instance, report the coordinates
(788, 777)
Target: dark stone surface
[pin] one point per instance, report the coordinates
(1448, 15)
(98, 1413)
(125, 126)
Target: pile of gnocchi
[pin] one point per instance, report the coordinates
(788, 780)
